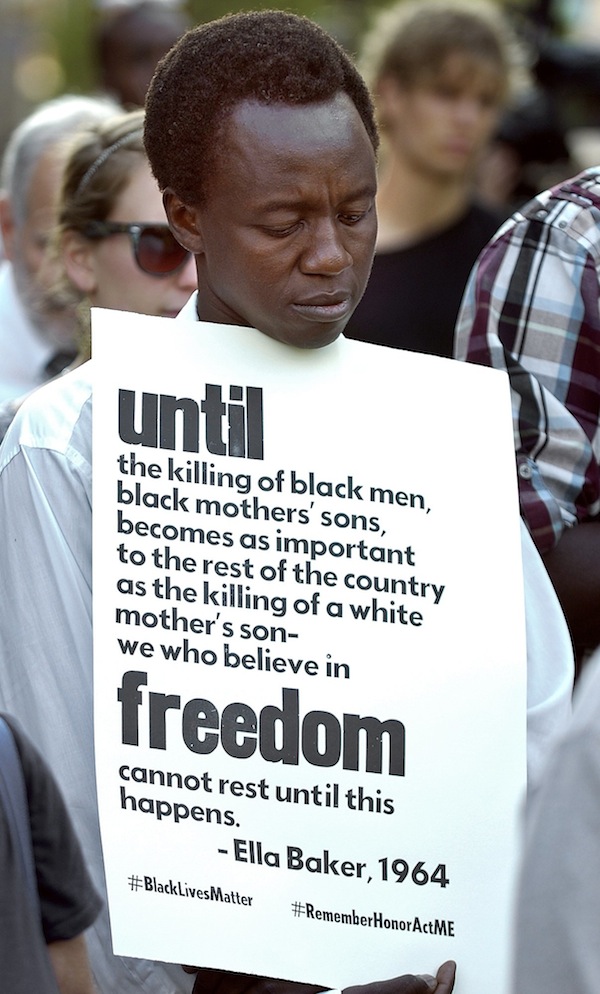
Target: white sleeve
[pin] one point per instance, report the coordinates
(46, 650)
(45, 598)
(550, 663)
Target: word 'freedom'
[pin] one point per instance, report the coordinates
(279, 732)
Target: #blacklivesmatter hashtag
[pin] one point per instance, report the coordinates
(176, 888)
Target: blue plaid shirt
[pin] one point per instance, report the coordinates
(531, 307)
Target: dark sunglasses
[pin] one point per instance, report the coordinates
(155, 249)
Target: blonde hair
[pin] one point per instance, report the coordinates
(98, 167)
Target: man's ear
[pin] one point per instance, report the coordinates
(78, 259)
(7, 224)
(183, 222)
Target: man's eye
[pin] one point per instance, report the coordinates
(282, 232)
(353, 217)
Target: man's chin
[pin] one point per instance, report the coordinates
(317, 336)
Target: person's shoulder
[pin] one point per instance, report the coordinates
(565, 216)
(571, 208)
(582, 189)
(56, 416)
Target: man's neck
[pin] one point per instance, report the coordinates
(412, 204)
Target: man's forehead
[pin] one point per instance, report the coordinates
(283, 119)
(267, 147)
(462, 66)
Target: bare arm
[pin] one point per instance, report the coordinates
(70, 962)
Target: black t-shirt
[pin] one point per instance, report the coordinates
(414, 293)
(68, 900)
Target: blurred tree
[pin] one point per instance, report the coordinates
(64, 30)
(346, 20)
(71, 24)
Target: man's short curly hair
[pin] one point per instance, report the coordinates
(270, 56)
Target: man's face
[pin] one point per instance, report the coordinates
(135, 50)
(30, 238)
(27, 247)
(285, 240)
(440, 124)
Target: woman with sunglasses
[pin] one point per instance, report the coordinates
(113, 243)
(112, 246)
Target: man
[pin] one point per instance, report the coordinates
(46, 899)
(37, 341)
(130, 40)
(261, 133)
(532, 308)
(440, 72)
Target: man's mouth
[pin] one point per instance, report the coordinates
(325, 307)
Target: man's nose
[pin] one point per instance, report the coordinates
(325, 253)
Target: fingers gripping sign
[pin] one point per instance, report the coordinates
(442, 983)
(218, 982)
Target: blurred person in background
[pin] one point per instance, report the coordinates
(36, 340)
(112, 246)
(130, 40)
(440, 72)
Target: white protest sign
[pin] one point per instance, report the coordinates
(309, 654)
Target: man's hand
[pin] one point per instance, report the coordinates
(442, 983)
(219, 982)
